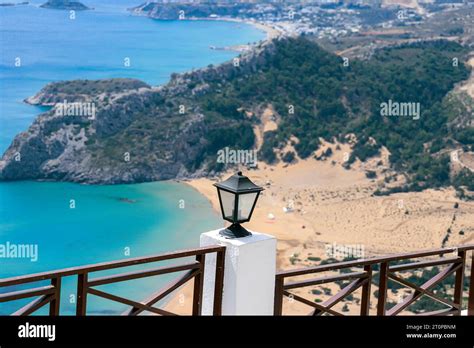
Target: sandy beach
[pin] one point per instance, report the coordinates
(330, 205)
(271, 31)
(334, 205)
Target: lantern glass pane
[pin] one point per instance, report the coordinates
(228, 200)
(246, 201)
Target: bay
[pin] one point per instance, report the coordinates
(107, 222)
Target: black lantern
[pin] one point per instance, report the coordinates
(237, 196)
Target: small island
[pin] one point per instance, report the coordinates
(65, 5)
(6, 4)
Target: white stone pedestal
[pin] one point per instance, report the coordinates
(249, 276)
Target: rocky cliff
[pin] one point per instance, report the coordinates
(136, 132)
(123, 131)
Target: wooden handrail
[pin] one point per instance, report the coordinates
(371, 261)
(456, 266)
(107, 265)
(51, 294)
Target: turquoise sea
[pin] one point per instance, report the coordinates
(107, 222)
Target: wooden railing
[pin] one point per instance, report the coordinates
(363, 279)
(51, 294)
(386, 268)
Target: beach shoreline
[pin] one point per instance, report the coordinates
(272, 215)
(332, 206)
(270, 31)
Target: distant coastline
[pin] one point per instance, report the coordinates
(270, 31)
(202, 12)
(9, 4)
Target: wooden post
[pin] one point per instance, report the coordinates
(81, 306)
(470, 305)
(383, 280)
(459, 282)
(55, 303)
(278, 307)
(365, 301)
(219, 283)
(198, 285)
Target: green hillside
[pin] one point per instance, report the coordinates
(332, 100)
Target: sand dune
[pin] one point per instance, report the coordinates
(332, 205)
